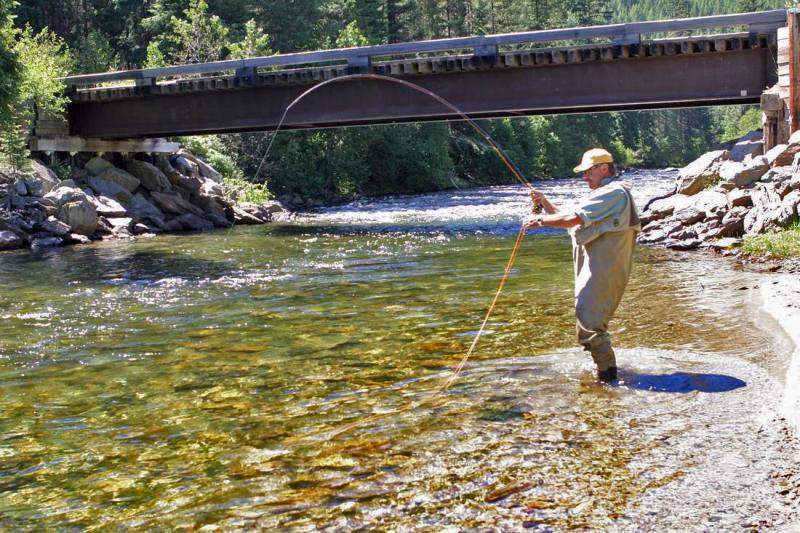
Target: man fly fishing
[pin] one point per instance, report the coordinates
(603, 227)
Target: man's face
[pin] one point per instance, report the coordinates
(595, 175)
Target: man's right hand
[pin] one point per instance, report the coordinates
(537, 200)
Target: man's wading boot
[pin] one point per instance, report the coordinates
(608, 375)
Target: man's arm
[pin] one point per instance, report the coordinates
(555, 220)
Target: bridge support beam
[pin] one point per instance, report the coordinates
(79, 144)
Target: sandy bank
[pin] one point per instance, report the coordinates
(781, 299)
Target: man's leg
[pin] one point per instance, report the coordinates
(595, 339)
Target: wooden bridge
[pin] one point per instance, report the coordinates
(574, 70)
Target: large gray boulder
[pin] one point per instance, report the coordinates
(212, 188)
(739, 198)
(710, 201)
(150, 176)
(749, 145)
(204, 169)
(784, 180)
(63, 194)
(742, 174)
(54, 226)
(767, 212)
(782, 154)
(192, 222)
(120, 177)
(141, 208)
(20, 188)
(175, 204)
(96, 165)
(214, 210)
(702, 172)
(79, 214)
(789, 206)
(46, 242)
(107, 207)
(9, 240)
(184, 165)
(43, 179)
(109, 189)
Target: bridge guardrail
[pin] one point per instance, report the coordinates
(626, 33)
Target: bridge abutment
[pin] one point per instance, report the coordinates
(780, 104)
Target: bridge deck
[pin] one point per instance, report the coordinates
(447, 64)
(626, 73)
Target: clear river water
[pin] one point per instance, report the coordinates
(186, 382)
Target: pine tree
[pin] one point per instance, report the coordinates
(10, 67)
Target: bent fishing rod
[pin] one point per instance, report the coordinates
(438, 392)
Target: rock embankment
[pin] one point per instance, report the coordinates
(726, 194)
(100, 201)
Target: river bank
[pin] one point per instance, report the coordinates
(116, 197)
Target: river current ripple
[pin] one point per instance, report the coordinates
(182, 382)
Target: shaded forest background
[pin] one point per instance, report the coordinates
(82, 36)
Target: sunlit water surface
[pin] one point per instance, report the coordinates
(183, 381)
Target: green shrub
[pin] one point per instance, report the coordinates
(213, 151)
(785, 243)
(242, 190)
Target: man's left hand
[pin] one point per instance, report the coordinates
(532, 221)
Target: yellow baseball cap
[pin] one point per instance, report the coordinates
(595, 156)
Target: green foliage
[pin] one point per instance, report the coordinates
(242, 190)
(63, 169)
(351, 37)
(95, 54)
(254, 44)
(10, 67)
(14, 148)
(155, 57)
(783, 244)
(732, 122)
(196, 37)
(211, 149)
(44, 59)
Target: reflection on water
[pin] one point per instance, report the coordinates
(164, 383)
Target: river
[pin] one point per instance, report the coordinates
(187, 382)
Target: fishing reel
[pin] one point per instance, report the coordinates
(536, 208)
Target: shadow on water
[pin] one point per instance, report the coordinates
(679, 382)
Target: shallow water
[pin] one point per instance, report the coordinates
(183, 382)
